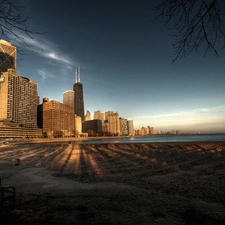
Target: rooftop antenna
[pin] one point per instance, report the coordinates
(78, 74)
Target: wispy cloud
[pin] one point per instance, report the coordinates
(47, 50)
(45, 74)
(200, 118)
(217, 109)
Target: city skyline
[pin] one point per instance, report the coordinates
(125, 60)
(55, 118)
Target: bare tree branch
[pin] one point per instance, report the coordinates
(13, 22)
(195, 25)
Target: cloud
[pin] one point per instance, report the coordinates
(47, 50)
(45, 74)
(217, 109)
(201, 118)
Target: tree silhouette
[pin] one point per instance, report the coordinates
(13, 22)
(195, 25)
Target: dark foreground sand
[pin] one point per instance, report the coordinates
(113, 184)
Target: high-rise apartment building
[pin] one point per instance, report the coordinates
(105, 128)
(143, 131)
(123, 127)
(130, 125)
(99, 115)
(68, 98)
(147, 130)
(78, 126)
(112, 119)
(87, 116)
(18, 99)
(56, 119)
(7, 56)
(78, 96)
(152, 130)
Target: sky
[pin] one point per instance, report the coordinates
(125, 61)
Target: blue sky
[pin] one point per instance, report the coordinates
(125, 62)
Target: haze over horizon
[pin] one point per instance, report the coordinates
(125, 62)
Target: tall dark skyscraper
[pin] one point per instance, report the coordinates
(78, 96)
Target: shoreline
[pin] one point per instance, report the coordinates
(97, 140)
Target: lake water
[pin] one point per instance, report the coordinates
(159, 138)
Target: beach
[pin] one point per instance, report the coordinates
(147, 183)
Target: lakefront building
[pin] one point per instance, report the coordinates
(78, 96)
(92, 128)
(87, 116)
(99, 115)
(130, 125)
(78, 126)
(112, 119)
(56, 119)
(123, 127)
(18, 99)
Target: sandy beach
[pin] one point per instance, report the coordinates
(113, 184)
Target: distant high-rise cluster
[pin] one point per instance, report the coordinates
(111, 124)
(145, 131)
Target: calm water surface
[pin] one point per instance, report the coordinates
(160, 138)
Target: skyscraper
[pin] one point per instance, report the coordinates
(56, 119)
(68, 98)
(99, 115)
(87, 116)
(123, 126)
(113, 122)
(130, 125)
(7, 56)
(78, 126)
(78, 96)
(18, 99)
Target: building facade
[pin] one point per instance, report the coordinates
(14, 130)
(112, 119)
(68, 98)
(7, 56)
(56, 119)
(78, 126)
(78, 97)
(92, 127)
(130, 125)
(123, 127)
(18, 99)
(87, 116)
(99, 115)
